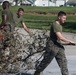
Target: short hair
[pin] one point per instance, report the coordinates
(61, 13)
(20, 9)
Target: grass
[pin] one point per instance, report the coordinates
(46, 9)
(39, 17)
(70, 18)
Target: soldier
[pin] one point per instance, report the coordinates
(19, 19)
(54, 48)
(7, 18)
(7, 24)
(7, 43)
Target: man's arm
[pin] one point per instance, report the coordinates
(25, 27)
(61, 37)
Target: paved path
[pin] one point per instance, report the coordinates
(53, 68)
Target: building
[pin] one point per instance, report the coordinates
(50, 2)
(26, 3)
(60, 3)
(38, 2)
(44, 3)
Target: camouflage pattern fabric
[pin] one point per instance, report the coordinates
(7, 49)
(54, 49)
(21, 47)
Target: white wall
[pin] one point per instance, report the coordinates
(59, 2)
(51, 4)
(48, 3)
(42, 3)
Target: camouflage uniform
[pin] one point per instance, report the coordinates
(54, 49)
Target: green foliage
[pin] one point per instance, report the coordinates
(39, 17)
(70, 27)
(71, 18)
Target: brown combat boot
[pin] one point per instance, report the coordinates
(37, 73)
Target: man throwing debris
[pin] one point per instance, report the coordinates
(54, 48)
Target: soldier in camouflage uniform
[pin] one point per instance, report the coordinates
(8, 24)
(7, 42)
(54, 48)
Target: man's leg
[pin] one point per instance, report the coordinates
(51, 51)
(44, 63)
(62, 62)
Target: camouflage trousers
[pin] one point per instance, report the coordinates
(7, 50)
(53, 49)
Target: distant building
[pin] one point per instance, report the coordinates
(60, 3)
(44, 3)
(50, 3)
(26, 3)
(39, 2)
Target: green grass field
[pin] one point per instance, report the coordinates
(41, 17)
(46, 9)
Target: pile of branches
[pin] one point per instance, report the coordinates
(27, 52)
